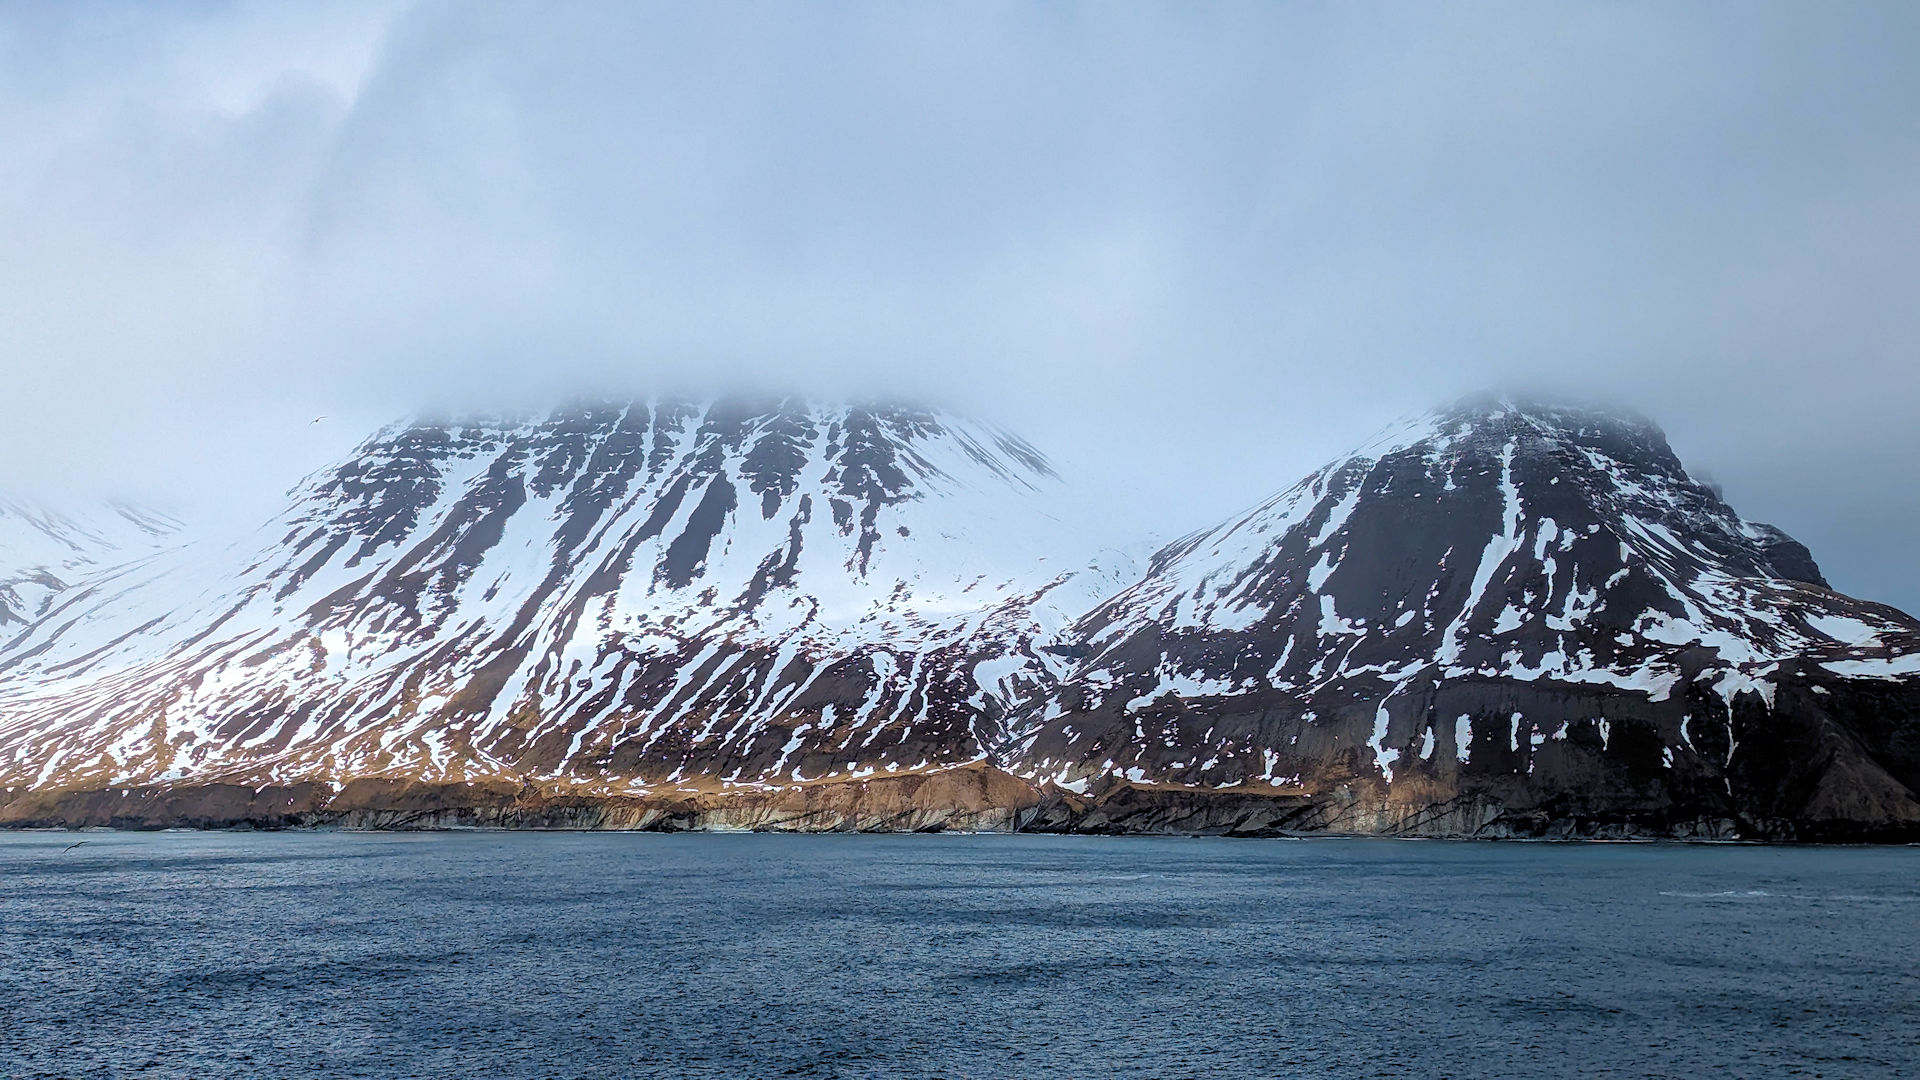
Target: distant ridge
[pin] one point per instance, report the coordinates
(44, 550)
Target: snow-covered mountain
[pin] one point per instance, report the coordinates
(1502, 618)
(608, 598)
(1495, 615)
(44, 550)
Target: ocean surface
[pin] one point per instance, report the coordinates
(615, 955)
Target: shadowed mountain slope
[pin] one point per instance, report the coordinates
(1501, 617)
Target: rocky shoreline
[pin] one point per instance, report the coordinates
(971, 799)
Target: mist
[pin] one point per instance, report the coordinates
(1191, 251)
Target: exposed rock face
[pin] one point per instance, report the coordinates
(1499, 620)
(969, 797)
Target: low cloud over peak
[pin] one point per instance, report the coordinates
(1187, 250)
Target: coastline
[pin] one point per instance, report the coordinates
(970, 799)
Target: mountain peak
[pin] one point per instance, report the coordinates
(1493, 418)
(588, 593)
(1493, 561)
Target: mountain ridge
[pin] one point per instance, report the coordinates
(1504, 617)
(1489, 573)
(512, 583)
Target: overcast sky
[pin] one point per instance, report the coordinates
(1191, 250)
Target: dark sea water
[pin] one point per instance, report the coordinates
(612, 955)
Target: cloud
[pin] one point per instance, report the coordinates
(1192, 249)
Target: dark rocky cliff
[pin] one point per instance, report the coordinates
(1504, 619)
